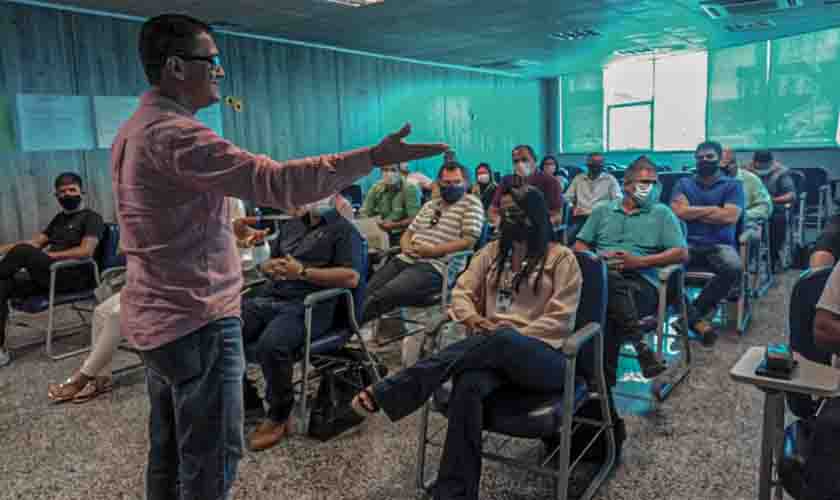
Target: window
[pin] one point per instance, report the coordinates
(679, 113)
(738, 96)
(656, 102)
(582, 105)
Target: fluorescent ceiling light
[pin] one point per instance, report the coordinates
(355, 3)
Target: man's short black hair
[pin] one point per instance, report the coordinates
(453, 165)
(67, 178)
(527, 148)
(711, 145)
(167, 35)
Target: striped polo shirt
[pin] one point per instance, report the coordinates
(464, 219)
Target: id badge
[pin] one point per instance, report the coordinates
(504, 300)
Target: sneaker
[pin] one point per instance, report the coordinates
(651, 367)
(5, 357)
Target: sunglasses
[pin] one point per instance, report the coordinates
(435, 218)
(213, 61)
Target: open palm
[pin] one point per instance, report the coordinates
(393, 149)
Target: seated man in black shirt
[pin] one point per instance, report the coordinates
(318, 250)
(72, 234)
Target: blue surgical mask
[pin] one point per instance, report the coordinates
(452, 194)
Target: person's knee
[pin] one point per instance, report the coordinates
(273, 348)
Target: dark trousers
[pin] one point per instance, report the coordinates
(196, 416)
(575, 226)
(37, 264)
(478, 365)
(400, 284)
(630, 297)
(725, 262)
(778, 233)
(277, 326)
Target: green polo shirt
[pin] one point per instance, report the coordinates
(644, 232)
(392, 204)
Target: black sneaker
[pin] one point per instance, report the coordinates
(651, 367)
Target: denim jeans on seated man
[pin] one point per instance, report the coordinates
(277, 326)
(725, 262)
(196, 374)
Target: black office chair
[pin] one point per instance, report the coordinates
(354, 196)
(803, 299)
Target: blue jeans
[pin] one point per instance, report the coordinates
(725, 262)
(277, 327)
(196, 420)
(478, 365)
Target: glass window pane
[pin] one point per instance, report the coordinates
(629, 79)
(738, 96)
(630, 128)
(804, 72)
(582, 109)
(679, 121)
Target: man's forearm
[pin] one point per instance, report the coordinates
(72, 253)
(690, 213)
(451, 247)
(785, 198)
(332, 277)
(666, 258)
(718, 216)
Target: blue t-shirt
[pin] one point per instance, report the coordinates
(724, 191)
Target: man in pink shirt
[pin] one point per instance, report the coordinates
(181, 305)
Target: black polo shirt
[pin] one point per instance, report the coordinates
(67, 230)
(334, 242)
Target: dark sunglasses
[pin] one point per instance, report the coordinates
(213, 61)
(435, 218)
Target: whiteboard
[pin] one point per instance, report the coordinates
(54, 122)
(109, 114)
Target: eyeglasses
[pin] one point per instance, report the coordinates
(213, 61)
(435, 218)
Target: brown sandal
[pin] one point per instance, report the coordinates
(67, 390)
(94, 388)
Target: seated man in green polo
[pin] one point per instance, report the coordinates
(636, 234)
(394, 200)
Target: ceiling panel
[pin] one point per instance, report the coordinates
(472, 32)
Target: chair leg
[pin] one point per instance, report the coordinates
(422, 442)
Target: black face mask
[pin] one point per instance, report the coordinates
(70, 203)
(595, 169)
(708, 168)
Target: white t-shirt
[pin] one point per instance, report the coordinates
(249, 257)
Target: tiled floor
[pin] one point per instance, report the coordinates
(699, 445)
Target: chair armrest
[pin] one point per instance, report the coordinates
(665, 272)
(106, 275)
(573, 344)
(316, 298)
(66, 264)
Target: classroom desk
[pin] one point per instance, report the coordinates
(810, 378)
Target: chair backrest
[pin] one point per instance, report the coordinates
(573, 171)
(799, 182)
(360, 265)
(668, 180)
(354, 195)
(803, 308)
(592, 307)
(815, 178)
(106, 254)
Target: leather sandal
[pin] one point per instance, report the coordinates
(68, 389)
(95, 387)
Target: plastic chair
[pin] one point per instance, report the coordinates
(104, 256)
(549, 417)
(818, 202)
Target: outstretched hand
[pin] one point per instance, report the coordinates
(393, 149)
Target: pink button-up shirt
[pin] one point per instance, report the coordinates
(170, 176)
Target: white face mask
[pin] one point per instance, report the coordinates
(391, 178)
(483, 178)
(320, 207)
(523, 168)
